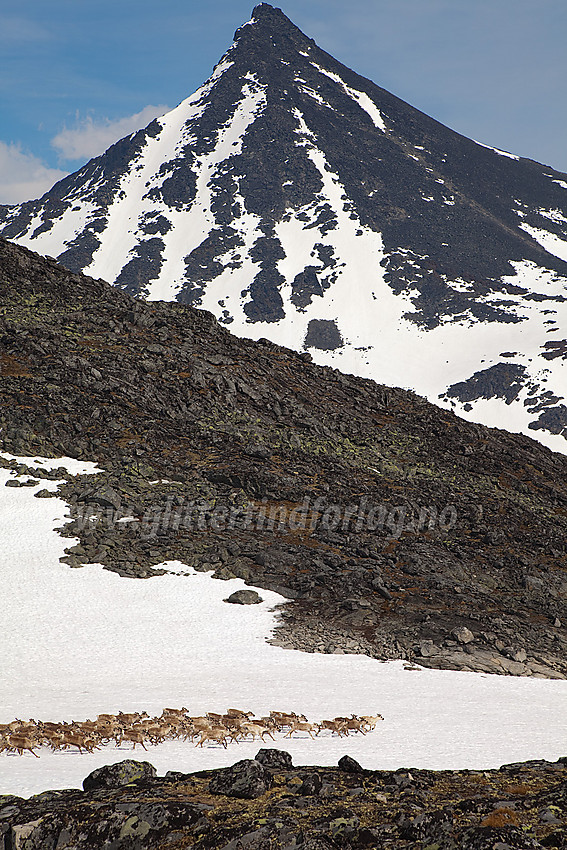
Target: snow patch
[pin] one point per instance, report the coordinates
(553, 215)
(496, 150)
(561, 183)
(73, 466)
(550, 241)
(359, 97)
(64, 230)
(315, 95)
(219, 70)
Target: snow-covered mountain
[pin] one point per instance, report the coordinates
(301, 202)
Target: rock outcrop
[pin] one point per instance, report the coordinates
(518, 806)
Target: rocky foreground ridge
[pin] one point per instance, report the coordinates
(392, 527)
(266, 802)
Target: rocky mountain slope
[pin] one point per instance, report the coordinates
(267, 802)
(300, 202)
(393, 527)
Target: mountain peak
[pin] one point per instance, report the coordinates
(299, 201)
(271, 16)
(269, 22)
(267, 12)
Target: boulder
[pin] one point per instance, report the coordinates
(246, 779)
(427, 648)
(276, 759)
(244, 597)
(350, 765)
(462, 634)
(258, 450)
(311, 785)
(44, 494)
(519, 655)
(122, 773)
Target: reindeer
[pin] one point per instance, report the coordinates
(302, 726)
(19, 743)
(332, 725)
(211, 715)
(370, 721)
(354, 724)
(284, 720)
(199, 723)
(133, 717)
(138, 727)
(106, 718)
(215, 733)
(177, 712)
(156, 731)
(134, 735)
(76, 739)
(255, 729)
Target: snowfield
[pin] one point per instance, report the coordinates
(78, 642)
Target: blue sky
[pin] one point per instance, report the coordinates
(75, 75)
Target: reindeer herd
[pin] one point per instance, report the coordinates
(235, 725)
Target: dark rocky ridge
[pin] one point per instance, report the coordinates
(162, 392)
(267, 803)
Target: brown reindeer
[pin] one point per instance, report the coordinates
(302, 726)
(19, 743)
(134, 735)
(215, 733)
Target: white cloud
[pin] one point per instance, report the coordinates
(90, 138)
(24, 176)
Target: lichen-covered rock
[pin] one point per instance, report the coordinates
(462, 634)
(276, 759)
(311, 785)
(256, 840)
(122, 773)
(246, 779)
(508, 838)
(244, 597)
(518, 807)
